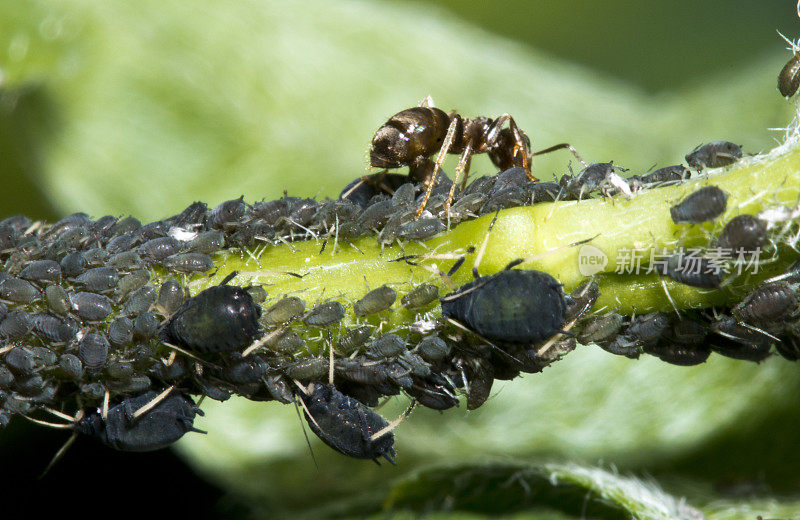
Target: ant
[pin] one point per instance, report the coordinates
(411, 136)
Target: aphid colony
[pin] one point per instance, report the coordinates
(98, 328)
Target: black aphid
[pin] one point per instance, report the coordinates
(324, 314)
(771, 302)
(167, 422)
(515, 306)
(694, 270)
(376, 300)
(704, 204)
(744, 233)
(714, 155)
(789, 77)
(346, 425)
(218, 319)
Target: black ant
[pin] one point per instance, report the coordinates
(411, 136)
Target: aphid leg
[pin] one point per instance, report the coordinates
(482, 249)
(63, 449)
(446, 144)
(565, 331)
(106, 400)
(153, 403)
(669, 296)
(330, 359)
(394, 424)
(562, 146)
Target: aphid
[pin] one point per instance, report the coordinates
(54, 329)
(119, 370)
(421, 229)
(6, 379)
(30, 386)
(57, 299)
(667, 175)
(679, 354)
(157, 428)
(376, 215)
(432, 348)
(307, 368)
(42, 271)
(744, 233)
(126, 225)
(207, 242)
(600, 328)
(508, 198)
(152, 230)
(132, 385)
(189, 263)
(258, 293)
(693, 270)
(98, 279)
(514, 306)
(116, 245)
(581, 300)
(191, 218)
(130, 283)
(623, 345)
(789, 77)
(245, 371)
(284, 311)
(346, 425)
(361, 190)
(739, 341)
(335, 211)
(591, 178)
(649, 328)
(71, 366)
(376, 300)
(218, 319)
(386, 346)
(704, 204)
(145, 325)
(93, 351)
(361, 370)
(120, 331)
(18, 290)
(414, 363)
(411, 136)
(270, 211)
(287, 343)
(420, 296)
(170, 297)
(102, 227)
(21, 360)
(15, 325)
(140, 301)
(157, 249)
(714, 155)
(353, 339)
(93, 391)
(771, 302)
(96, 256)
(324, 314)
(125, 261)
(688, 332)
(90, 306)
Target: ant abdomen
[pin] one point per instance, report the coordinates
(409, 137)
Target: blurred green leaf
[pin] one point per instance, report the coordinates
(144, 109)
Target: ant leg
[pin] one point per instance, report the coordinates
(153, 403)
(462, 164)
(561, 146)
(448, 142)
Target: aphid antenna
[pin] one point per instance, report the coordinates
(153, 403)
(427, 102)
(392, 425)
(793, 46)
(305, 433)
(534, 258)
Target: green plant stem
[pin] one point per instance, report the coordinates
(546, 233)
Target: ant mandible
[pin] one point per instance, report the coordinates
(411, 136)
